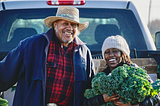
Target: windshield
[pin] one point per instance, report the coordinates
(16, 25)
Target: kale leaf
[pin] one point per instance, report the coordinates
(3, 102)
(130, 83)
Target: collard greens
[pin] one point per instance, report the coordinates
(130, 83)
(3, 102)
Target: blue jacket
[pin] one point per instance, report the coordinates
(26, 64)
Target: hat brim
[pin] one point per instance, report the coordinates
(49, 21)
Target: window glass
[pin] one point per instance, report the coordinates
(37, 24)
(107, 22)
(16, 25)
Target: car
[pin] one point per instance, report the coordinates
(22, 19)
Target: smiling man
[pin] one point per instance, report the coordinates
(65, 31)
(61, 80)
(53, 68)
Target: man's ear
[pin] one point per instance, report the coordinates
(55, 25)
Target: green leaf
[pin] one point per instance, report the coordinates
(130, 83)
(3, 102)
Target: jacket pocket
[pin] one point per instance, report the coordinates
(51, 65)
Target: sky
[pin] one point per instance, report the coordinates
(143, 8)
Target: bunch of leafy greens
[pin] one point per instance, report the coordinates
(3, 102)
(130, 83)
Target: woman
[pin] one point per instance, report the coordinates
(116, 52)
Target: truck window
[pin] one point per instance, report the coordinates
(107, 22)
(16, 25)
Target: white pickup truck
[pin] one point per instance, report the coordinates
(21, 19)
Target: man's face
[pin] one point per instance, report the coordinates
(65, 31)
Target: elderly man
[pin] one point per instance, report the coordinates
(51, 68)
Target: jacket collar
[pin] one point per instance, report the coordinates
(49, 34)
(107, 69)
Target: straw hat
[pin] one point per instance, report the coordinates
(66, 13)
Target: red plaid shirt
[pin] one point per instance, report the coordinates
(60, 74)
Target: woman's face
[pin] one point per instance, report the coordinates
(112, 57)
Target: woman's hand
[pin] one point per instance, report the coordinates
(111, 98)
(119, 103)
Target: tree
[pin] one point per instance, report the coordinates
(154, 26)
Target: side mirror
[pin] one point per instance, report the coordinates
(157, 40)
